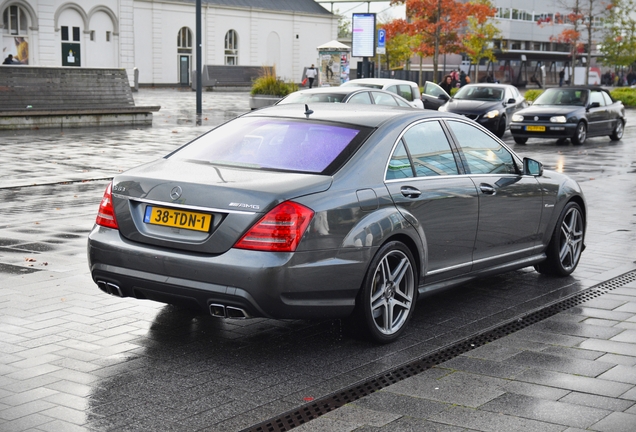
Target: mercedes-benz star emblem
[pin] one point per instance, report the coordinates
(175, 193)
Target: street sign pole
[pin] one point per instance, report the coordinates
(381, 48)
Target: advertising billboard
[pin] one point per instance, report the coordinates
(363, 35)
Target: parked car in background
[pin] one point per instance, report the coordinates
(409, 90)
(352, 95)
(331, 210)
(570, 112)
(490, 105)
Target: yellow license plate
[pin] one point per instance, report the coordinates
(177, 218)
(535, 128)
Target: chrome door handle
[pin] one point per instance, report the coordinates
(487, 189)
(410, 192)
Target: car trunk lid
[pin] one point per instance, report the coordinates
(201, 207)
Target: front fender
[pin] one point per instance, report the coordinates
(558, 191)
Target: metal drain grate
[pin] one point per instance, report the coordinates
(322, 406)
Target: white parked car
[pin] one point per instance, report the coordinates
(409, 90)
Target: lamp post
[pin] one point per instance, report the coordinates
(199, 62)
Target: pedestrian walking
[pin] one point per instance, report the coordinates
(311, 75)
(462, 79)
(561, 77)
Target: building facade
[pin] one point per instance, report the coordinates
(158, 36)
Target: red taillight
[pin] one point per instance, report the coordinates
(280, 230)
(106, 212)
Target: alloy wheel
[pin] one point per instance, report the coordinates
(392, 292)
(571, 240)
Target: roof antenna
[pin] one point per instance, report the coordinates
(308, 112)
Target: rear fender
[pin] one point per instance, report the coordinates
(378, 227)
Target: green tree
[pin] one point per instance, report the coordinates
(481, 32)
(619, 41)
(344, 25)
(398, 44)
(593, 11)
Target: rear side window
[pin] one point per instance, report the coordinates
(430, 150)
(400, 164)
(276, 144)
(406, 92)
(361, 98)
(384, 99)
(429, 153)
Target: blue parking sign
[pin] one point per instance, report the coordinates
(381, 38)
(381, 48)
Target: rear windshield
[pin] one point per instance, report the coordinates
(276, 144)
(312, 97)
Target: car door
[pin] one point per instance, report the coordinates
(598, 118)
(424, 182)
(512, 107)
(613, 111)
(510, 204)
(433, 96)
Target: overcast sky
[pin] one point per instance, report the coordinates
(382, 9)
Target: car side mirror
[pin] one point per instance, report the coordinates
(532, 167)
(512, 101)
(443, 97)
(595, 105)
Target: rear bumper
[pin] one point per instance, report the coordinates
(552, 130)
(321, 284)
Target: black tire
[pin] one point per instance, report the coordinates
(617, 134)
(566, 245)
(389, 291)
(520, 140)
(580, 134)
(501, 128)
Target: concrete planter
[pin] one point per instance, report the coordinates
(260, 101)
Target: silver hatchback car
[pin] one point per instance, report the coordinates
(409, 90)
(331, 210)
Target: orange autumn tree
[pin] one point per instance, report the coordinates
(438, 24)
(398, 43)
(571, 35)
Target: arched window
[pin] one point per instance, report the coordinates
(15, 33)
(231, 48)
(15, 21)
(184, 41)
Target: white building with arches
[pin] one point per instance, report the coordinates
(158, 36)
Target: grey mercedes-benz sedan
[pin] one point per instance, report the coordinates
(332, 210)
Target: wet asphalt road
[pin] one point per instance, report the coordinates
(71, 356)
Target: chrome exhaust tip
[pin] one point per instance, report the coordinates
(231, 312)
(236, 313)
(217, 310)
(110, 288)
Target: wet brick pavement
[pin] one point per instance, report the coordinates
(73, 358)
